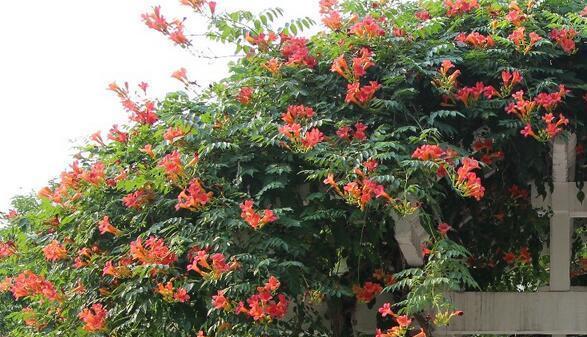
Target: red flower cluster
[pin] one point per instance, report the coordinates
(332, 20)
(84, 256)
(509, 257)
(312, 138)
(385, 310)
(523, 109)
(444, 228)
(341, 67)
(293, 130)
(220, 302)
(516, 192)
(94, 318)
(446, 82)
(7, 249)
(148, 149)
(173, 29)
(273, 66)
(141, 113)
(197, 5)
(122, 175)
(120, 271)
(30, 318)
(261, 40)
(296, 51)
(153, 251)
(48, 194)
(524, 256)
(356, 93)
(297, 111)
(266, 304)
(5, 284)
(518, 37)
(361, 95)
(97, 138)
(367, 28)
(384, 277)
(104, 226)
(347, 133)
(245, 95)
(136, 199)
(172, 165)
(551, 130)
(327, 5)
(445, 66)
(549, 101)
(435, 153)
(397, 331)
(429, 152)
(516, 16)
(442, 318)
(116, 135)
(155, 20)
(364, 191)
(484, 147)
(476, 40)
(253, 218)
(30, 284)
(194, 197)
(469, 95)
(55, 251)
(423, 15)
(95, 175)
(173, 134)
(398, 32)
(467, 182)
(11, 214)
(464, 180)
(211, 266)
(403, 323)
(330, 17)
(263, 306)
(367, 292)
(458, 7)
(565, 38)
(361, 63)
(510, 79)
(172, 295)
(370, 165)
(360, 191)
(181, 75)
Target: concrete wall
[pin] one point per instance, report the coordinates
(542, 313)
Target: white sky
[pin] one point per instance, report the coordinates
(56, 59)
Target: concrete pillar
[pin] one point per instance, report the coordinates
(410, 235)
(563, 159)
(561, 225)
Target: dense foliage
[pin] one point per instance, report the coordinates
(254, 206)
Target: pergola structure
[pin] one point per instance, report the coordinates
(557, 310)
